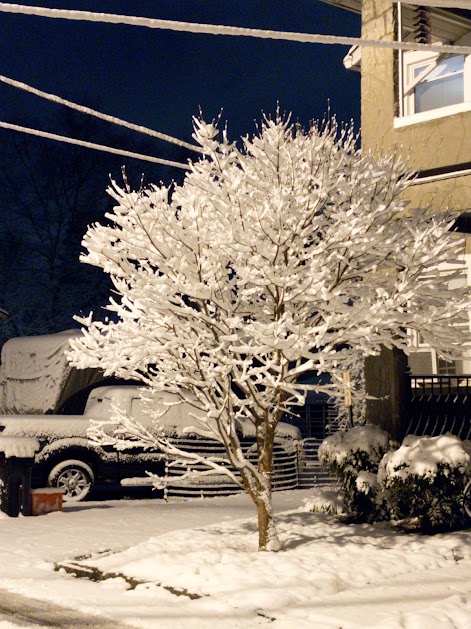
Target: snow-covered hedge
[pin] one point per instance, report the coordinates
(424, 479)
(354, 457)
(421, 483)
(361, 447)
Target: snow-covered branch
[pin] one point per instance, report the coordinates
(290, 255)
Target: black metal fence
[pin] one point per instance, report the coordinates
(440, 404)
(315, 420)
(295, 466)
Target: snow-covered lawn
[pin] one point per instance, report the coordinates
(196, 565)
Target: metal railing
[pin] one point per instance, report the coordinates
(312, 474)
(316, 420)
(293, 468)
(448, 388)
(440, 404)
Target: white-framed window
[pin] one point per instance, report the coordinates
(431, 84)
(448, 368)
(434, 82)
(428, 363)
(415, 340)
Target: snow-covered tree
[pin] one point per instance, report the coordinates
(273, 259)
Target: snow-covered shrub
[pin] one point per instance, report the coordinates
(424, 479)
(324, 501)
(354, 457)
(361, 447)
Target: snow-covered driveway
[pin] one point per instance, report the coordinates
(329, 575)
(30, 546)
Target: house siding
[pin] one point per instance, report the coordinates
(377, 81)
(437, 143)
(454, 192)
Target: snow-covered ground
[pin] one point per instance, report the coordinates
(196, 565)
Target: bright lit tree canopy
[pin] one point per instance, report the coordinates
(273, 259)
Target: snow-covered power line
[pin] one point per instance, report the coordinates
(92, 145)
(92, 112)
(444, 4)
(218, 29)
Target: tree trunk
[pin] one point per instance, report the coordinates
(267, 534)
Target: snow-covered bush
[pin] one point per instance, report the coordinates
(361, 448)
(324, 500)
(354, 457)
(424, 479)
(422, 482)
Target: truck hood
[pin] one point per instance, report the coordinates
(44, 427)
(50, 427)
(287, 431)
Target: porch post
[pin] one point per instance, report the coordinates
(387, 380)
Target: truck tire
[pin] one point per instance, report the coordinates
(75, 477)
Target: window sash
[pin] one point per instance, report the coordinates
(434, 82)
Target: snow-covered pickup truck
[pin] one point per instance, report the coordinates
(70, 460)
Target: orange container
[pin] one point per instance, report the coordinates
(46, 500)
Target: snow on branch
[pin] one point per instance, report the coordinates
(286, 257)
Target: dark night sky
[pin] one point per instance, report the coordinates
(161, 78)
(50, 192)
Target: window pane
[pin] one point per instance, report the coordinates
(439, 93)
(445, 67)
(446, 368)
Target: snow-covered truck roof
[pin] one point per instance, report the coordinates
(33, 371)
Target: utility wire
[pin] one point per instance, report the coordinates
(218, 29)
(91, 145)
(445, 4)
(97, 114)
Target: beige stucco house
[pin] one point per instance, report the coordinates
(419, 104)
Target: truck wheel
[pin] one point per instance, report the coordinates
(75, 477)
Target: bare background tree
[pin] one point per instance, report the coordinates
(49, 194)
